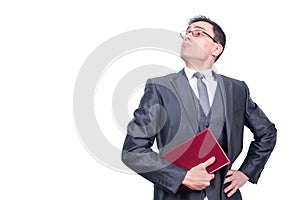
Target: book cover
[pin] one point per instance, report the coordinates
(197, 150)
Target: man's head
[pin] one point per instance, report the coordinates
(203, 39)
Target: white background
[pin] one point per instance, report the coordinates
(43, 46)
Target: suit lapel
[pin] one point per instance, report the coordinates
(189, 102)
(226, 92)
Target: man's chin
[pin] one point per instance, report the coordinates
(187, 57)
(184, 57)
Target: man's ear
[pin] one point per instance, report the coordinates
(217, 50)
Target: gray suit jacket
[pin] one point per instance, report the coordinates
(169, 113)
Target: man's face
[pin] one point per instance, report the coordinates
(198, 46)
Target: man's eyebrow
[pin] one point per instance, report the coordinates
(199, 27)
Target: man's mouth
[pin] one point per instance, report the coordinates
(186, 44)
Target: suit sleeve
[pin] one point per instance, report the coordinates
(137, 151)
(265, 135)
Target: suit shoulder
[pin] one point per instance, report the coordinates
(233, 80)
(164, 79)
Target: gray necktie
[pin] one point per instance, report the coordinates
(202, 91)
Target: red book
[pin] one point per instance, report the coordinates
(197, 150)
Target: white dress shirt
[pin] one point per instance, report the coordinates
(209, 80)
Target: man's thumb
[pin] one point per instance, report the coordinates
(209, 161)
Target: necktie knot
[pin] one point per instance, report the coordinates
(199, 75)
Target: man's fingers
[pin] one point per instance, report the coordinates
(206, 163)
(209, 162)
(227, 180)
(229, 173)
(228, 188)
(231, 192)
(228, 177)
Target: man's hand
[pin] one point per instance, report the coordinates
(197, 178)
(237, 179)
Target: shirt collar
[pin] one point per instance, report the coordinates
(208, 74)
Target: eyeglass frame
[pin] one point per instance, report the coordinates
(184, 33)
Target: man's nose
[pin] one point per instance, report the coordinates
(187, 36)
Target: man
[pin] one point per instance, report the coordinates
(176, 107)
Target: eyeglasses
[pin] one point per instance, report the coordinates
(196, 33)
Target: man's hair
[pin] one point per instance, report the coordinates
(219, 34)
